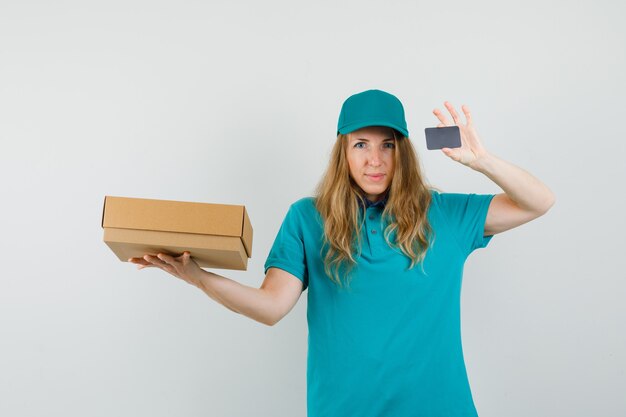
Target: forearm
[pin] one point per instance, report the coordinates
(521, 187)
(254, 303)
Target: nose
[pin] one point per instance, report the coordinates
(374, 157)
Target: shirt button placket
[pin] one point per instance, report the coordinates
(368, 228)
(371, 226)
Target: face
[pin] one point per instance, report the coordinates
(370, 155)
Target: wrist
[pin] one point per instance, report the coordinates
(200, 278)
(484, 163)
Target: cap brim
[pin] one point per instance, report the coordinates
(359, 125)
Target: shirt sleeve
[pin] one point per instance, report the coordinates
(287, 252)
(466, 214)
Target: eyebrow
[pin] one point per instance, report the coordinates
(367, 140)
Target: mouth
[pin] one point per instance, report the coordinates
(375, 177)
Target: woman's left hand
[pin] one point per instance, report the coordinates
(471, 150)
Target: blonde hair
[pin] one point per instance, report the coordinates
(337, 198)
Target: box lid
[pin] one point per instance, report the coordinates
(178, 216)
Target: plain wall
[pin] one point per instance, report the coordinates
(237, 103)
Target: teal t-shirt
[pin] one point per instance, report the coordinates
(391, 345)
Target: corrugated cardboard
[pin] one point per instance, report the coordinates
(216, 235)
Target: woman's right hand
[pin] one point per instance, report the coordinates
(183, 266)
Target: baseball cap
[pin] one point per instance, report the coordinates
(371, 108)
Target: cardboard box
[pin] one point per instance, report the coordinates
(216, 235)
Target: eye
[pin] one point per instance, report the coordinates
(392, 145)
(356, 145)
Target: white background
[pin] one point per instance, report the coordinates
(237, 103)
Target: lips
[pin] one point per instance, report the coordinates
(375, 177)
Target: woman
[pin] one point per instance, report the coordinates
(382, 256)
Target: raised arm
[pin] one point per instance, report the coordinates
(268, 304)
(525, 197)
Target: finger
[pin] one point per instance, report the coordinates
(451, 153)
(142, 266)
(468, 116)
(453, 112)
(154, 260)
(182, 257)
(442, 118)
(139, 261)
(157, 261)
(165, 258)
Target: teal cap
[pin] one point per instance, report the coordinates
(371, 108)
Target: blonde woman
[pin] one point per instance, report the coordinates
(381, 254)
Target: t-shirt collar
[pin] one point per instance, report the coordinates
(380, 203)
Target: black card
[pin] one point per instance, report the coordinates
(443, 137)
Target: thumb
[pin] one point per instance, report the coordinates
(452, 154)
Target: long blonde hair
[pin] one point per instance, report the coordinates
(337, 199)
